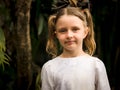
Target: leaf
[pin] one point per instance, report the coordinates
(41, 22)
(38, 82)
(4, 58)
(2, 41)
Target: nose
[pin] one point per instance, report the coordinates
(69, 34)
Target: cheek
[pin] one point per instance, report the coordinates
(80, 36)
(85, 33)
(60, 40)
(60, 37)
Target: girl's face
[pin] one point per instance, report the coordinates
(70, 31)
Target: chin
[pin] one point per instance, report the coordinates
(71, 49)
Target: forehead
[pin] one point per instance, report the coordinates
(69, 19)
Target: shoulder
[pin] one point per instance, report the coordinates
(93, 58)
(98, 62)
(50, 63)
(96, 59)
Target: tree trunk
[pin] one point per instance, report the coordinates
(23, 44)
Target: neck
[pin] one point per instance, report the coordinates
(72, 53)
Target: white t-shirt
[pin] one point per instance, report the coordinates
(76, 73)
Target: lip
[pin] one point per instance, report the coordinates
(69, 42)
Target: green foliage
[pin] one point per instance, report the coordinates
(38, 82)
(3, 56)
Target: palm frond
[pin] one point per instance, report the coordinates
(4, 58)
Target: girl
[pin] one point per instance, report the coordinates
(74, 68)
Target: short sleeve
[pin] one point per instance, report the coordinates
(46, 78)
(102, 82)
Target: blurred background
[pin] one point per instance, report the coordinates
(23, 36)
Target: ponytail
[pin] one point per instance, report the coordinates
(89, 41)
(51, 47)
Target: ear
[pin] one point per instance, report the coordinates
(86, 32)
(55, 34)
